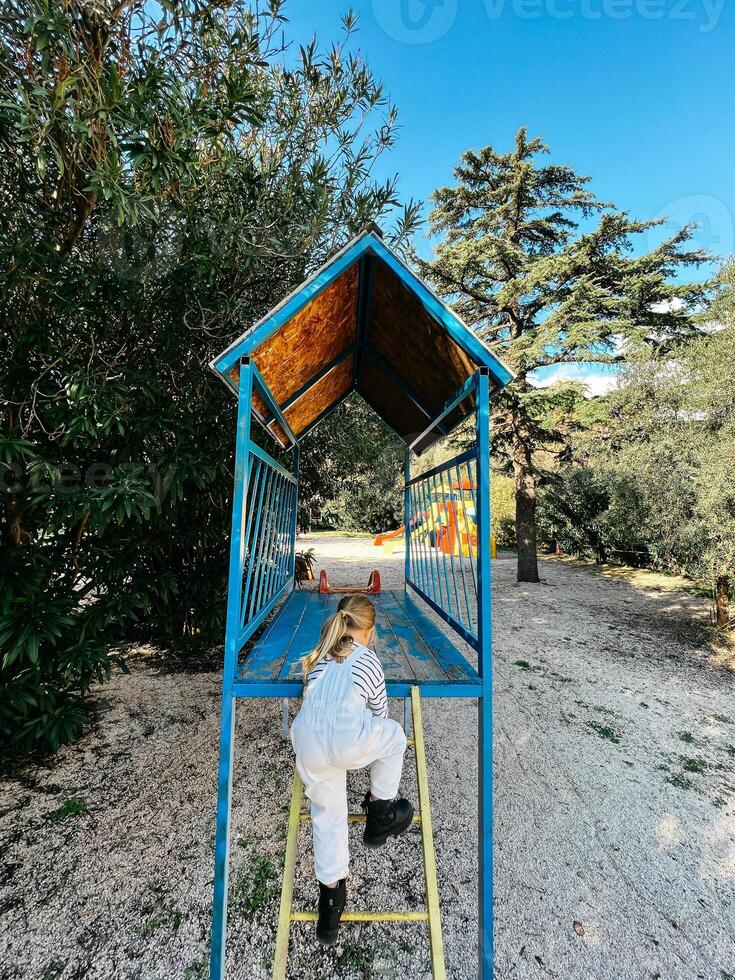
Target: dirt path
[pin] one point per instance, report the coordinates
(615, 811)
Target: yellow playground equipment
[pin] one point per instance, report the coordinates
(449, 522)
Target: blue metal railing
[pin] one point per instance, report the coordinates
(268, 542)
(442, 541)
(268, 536)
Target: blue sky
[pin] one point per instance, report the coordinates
(636, 93)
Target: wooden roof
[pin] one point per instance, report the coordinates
(364, 322)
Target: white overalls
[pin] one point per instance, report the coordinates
(334, 731)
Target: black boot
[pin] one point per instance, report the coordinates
(385, 818)
(332, 903)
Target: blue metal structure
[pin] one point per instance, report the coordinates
(453, 583)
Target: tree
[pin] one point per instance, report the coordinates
(650, 481)
(519, 266)
(673, 434)
(351, 471)
(168, 174)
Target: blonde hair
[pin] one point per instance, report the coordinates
(355, 612)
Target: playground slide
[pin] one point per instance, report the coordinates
(387, 535)
(400, 531)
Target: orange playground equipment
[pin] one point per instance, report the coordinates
(449, 524)
(373, 586)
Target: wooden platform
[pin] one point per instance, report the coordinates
(412, 649)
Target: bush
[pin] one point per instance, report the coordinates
(156, 196)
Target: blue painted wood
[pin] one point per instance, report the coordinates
(447, 655)
(227, 721)
(387, 646)
(407, 516)
(412, 647)
(267, 396)
(307, 637)
(470, 595)
(463, 392)
(421, 658)
(254, 605)
(396, 689)
(444, 565)
(254, 624)
(272, 647)
(254, 550)
(469, 454)
(272, 463)
(271, 544)
(466, 635)
(485, 708)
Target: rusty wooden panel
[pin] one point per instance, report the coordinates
(318, 398)
(412, 341)
(386, 396)
(312, 338)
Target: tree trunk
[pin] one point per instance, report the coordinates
(722, 600)
(525, 489)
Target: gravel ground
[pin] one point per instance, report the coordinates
(615, 810)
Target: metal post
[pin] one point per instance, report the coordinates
(407, 726)
(407, 513)
(227, 723)
(485, 703)
(294, 516)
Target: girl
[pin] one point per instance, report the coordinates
(343, 724)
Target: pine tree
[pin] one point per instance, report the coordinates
(519, 265)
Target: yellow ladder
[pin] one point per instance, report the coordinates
(430, 914)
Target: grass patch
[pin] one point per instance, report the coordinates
(356, 957)
(689, 764)
(687, 737)
(53, 970)
(196, 971)
(679, 780)
(256, 887)
(604, 731)
(168, 918)
(723, 719)
(72, 808)
(524, 665)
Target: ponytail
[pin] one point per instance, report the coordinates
(355, 612)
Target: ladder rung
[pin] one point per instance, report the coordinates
(366, 916)
(355, 817)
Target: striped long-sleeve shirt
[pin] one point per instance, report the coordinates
(368, 678)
